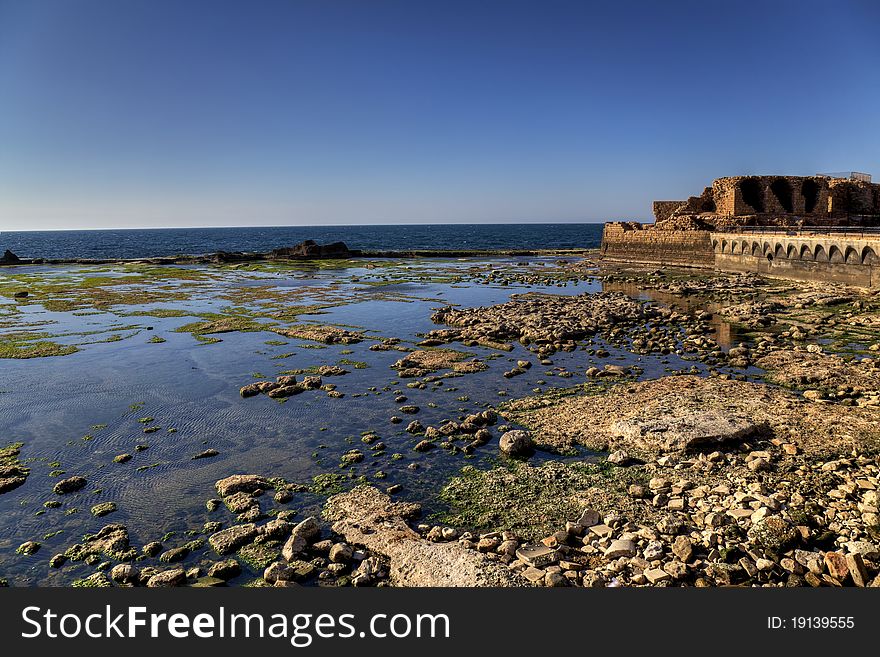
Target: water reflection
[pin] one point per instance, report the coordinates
(723, 332)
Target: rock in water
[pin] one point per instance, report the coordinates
(69, 485)
(9, 258)
(516, 443)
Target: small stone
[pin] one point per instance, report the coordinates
(225, 570)
(657, 575)
(589, 518)
(621, 548)
(856, 566)
(341, 553)
(124, 573)
(167, 578)
(554, 579)
(537, 556)
(683, 548)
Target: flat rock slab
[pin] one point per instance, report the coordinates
(538, 556)
(683, 429)
(366, 516)
(648, 417)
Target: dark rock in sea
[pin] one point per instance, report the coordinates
(311, 249)
(69, 485)
(9, 258)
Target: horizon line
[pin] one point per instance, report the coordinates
(341, 225)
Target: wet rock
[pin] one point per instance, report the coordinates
(341, 553)
(103, 509)
(152, 549)
(365, 516)
(111, 541)
(167, 578)
(174, 554)
(516, 443)
(251, 390)
(278, 571)
(69, 485)
(208, 453)
(28, 548)
(232, 538)
(124, 573)
(241, 483)
(225, 570)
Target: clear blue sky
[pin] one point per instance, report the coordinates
(130, 113)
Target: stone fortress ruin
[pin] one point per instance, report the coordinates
(819, 228)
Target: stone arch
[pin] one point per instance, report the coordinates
(781, 189)
(766, 248)
(805, 253)
(756, 249)
(810, 192)
(715, 245)
(735, 247)
(791, 252)
(869, 257)
(724, 246)
(835, 254)
(779, 251)
(852, 256)
(752, 193)
(819, 255)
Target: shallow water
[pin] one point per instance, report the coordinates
(51, 404)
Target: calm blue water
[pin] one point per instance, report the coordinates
(143, 243)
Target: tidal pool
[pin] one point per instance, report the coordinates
(162, 353)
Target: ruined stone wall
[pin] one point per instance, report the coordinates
(631, 242)
(852, 259)
(664, 209)
(780, 200)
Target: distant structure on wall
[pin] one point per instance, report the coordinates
(820, 228)
(820, 200)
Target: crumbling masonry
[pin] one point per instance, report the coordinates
(817, 228)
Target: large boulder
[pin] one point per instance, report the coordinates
(683, 429)
(9, 258)
(516, 443)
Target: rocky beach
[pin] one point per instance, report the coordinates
(335, 418)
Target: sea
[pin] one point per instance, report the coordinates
(162, 242)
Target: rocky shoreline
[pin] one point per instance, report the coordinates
(754, 464)
(302, 252)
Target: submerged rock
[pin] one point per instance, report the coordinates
(69, 485)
